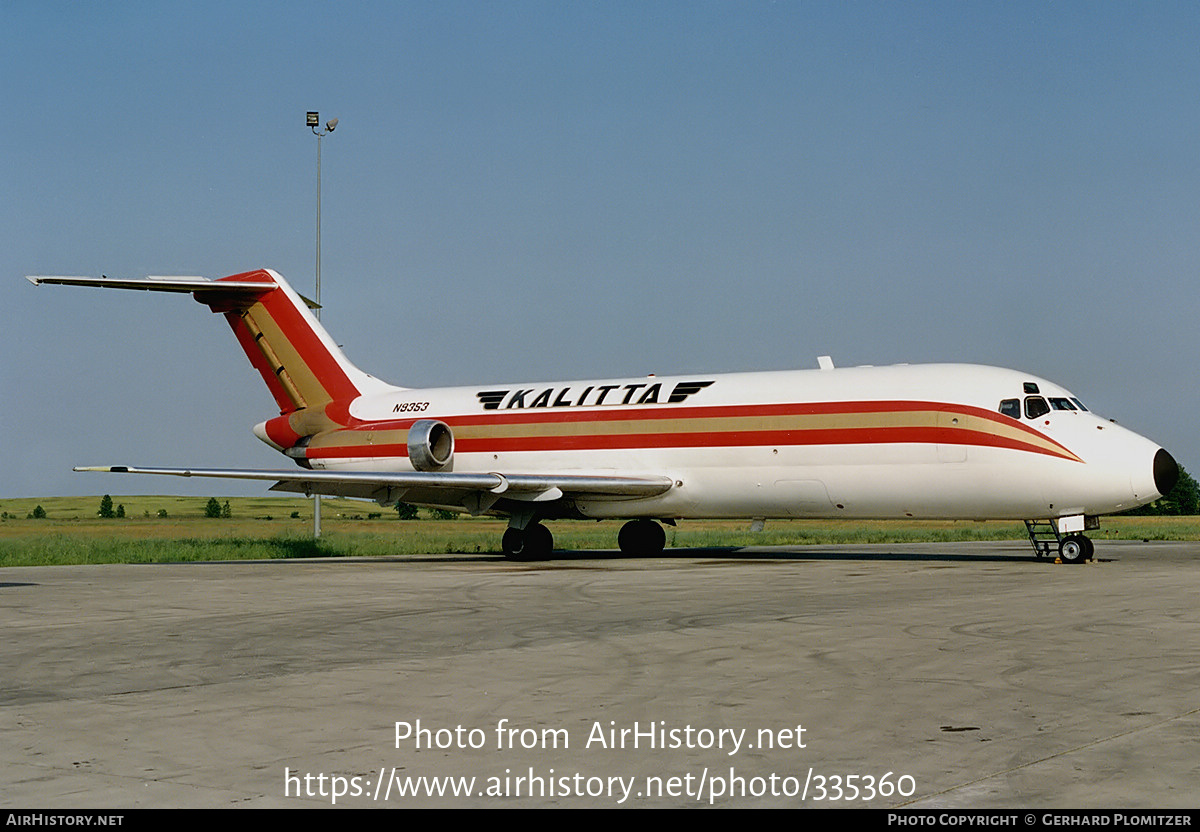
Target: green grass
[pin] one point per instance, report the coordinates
(262, 528)
(148, 507)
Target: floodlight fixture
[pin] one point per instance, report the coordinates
(313, 120)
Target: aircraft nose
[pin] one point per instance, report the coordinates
(1166, 472)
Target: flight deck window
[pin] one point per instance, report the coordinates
(1061, 404)
(1011, 408)
(1035, 406)
(1078, 403)
(1031, 387)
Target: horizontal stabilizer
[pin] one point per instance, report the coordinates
(192, 285)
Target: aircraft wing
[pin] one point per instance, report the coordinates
(476, 492)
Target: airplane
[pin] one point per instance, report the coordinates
(937, 441)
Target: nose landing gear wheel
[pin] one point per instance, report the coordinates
(1075, 548)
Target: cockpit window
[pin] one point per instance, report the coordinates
(1061, 404)
(1031, 387)
(1011, 408)
(1078, 403)
(1035, 406)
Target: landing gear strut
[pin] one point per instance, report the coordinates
(534, 542)
(642, 537)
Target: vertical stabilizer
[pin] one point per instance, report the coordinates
(308, 374)
(300, 363)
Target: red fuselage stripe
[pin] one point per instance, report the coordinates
(746, 414)
(721, 439)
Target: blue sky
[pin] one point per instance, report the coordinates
(548, 190)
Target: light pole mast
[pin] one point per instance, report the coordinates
(313, 120)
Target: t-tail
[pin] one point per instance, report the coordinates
(312, 381)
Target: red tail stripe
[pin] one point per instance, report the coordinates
(315, 355)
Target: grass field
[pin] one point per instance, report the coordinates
(264, 528)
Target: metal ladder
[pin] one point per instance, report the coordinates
(1044, 537)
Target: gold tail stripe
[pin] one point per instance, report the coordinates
(273, 361)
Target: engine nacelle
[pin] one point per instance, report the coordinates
(430, 445)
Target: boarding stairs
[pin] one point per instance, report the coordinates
(1044, 536)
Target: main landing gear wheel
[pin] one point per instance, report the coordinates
(642, 537)
(534, 542)
(1076, 548)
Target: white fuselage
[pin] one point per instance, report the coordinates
(923, 441)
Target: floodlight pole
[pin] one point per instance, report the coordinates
(313, 120)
